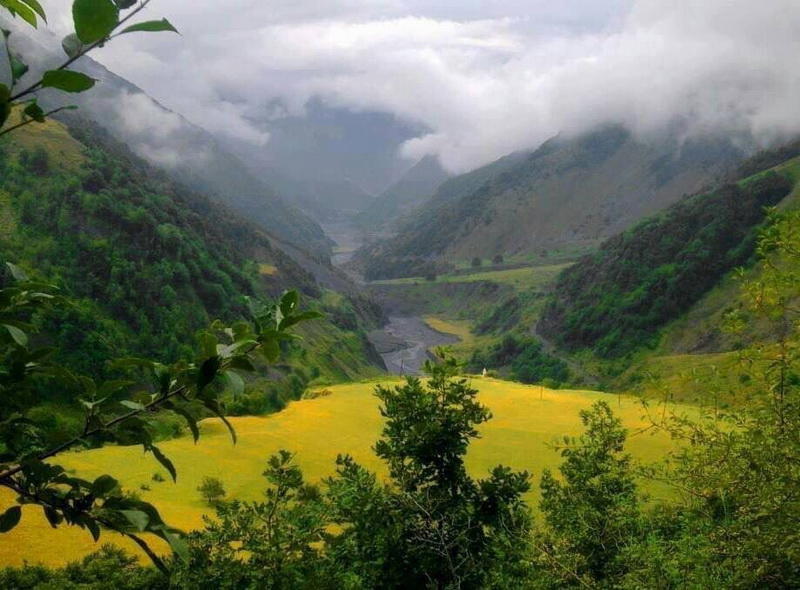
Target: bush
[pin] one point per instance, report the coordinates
(498, 259)
(476, 262)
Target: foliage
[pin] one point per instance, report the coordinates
(212, 490)
(615, 300)
(191, 389)
(591, 512)
(108, 568)
(432, 526)
(526, 358)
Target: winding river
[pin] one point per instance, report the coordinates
(405, 341)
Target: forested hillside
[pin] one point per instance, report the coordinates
(570, 193)
(186, 152)
(617, 299)
(149, 262)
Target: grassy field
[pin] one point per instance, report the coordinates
(525, 419)
(64, 150)
(523, 278)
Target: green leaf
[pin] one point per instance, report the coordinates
(24, 11)
(289, 302)
(208, 370)
(104, 485)
(190, 420)
(137, 518)
(10, 518)
(178, 545)
(94, 19)
(18, 335)
(123, 4)
(93, 527)
(292, 320)
(37, 8)
(271, 349)
(213, 405)
(18, 67)
(164, 460)
(151, 26)
(131, 405)
(67, 80)
(53, 517)
(35, 112)
(16, 272)
(71, 45)
(242, 363)
(235, 383)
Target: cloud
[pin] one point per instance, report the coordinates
(486, 78)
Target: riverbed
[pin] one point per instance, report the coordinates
(404, 343)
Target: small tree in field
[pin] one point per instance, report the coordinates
(498, 259)
(212, 490)
(476, 262)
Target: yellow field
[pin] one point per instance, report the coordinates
(64, 150)
(348, 421)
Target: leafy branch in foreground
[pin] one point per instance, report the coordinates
(192, 390)
(96, 22)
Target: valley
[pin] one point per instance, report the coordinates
(430, 295)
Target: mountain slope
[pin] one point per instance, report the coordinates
(568, 193)
(616, 300)
(186, 152)
(150, 262)
(413, 188)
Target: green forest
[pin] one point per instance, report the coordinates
(575, 366)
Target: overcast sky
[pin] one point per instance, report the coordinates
(485, 76)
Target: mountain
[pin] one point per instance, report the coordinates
(571, 193)
(149, 262)
(615, 300)
(330, 160)
(411, 190)
(186, 152)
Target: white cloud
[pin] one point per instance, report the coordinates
(486, 77)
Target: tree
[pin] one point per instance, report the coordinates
(453, 529)
(190, 389)
(212, 490)
(431, 526)
(498, 259)
(275, 543)
(738, 470)
(476, 262)
(591, 512)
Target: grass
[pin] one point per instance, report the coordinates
(523, 278)
(458, 328)
(267, 269)
(64, 150)
(526, 418)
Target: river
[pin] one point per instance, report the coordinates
(405, 341)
